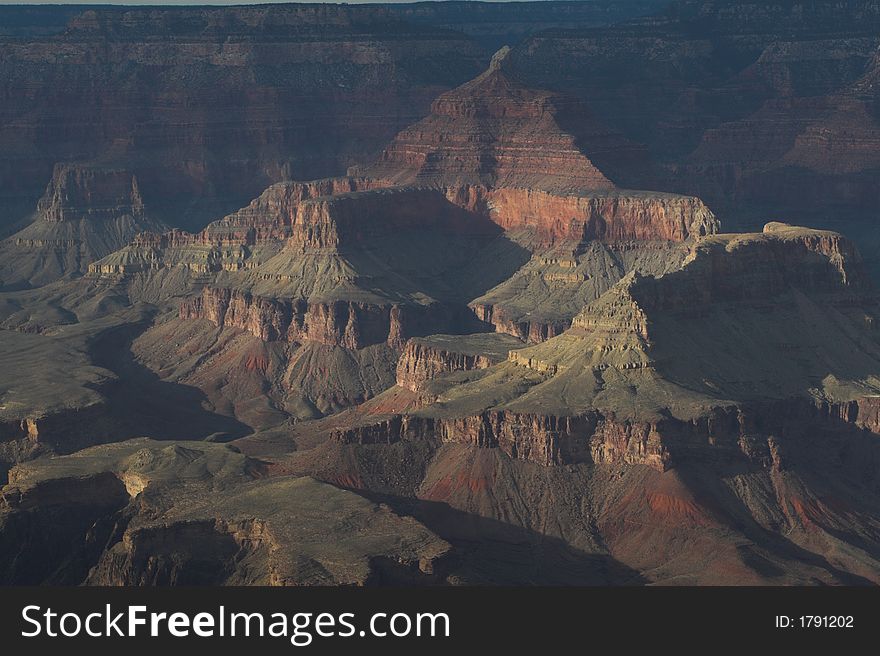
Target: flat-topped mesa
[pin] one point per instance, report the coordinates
(746, 267)
(339, 222)
(345, 323)
(77, 193)
(758, 266)
(271, 215)
(224, 244)
(496, 132)
(86, 212)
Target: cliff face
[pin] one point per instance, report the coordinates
(751, 268)
(341, 223)
(331, 216)
(425, 359)
(267, 218)
(755, 432)
(419, 363)
(676, 328)
(760, 109)
(348, 324)
(603, 216)
(583, 245)
(85, 213)
(78, 193)
(206, 123)
(233, 242)
(527, 329)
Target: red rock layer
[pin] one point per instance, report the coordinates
(616, 216)
(755, 431)
(339, 323)
(422, 362)
(497, 132)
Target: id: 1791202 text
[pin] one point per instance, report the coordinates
(815, 622)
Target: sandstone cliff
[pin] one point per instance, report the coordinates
(424, 359)
(85, 213)
(339, 323)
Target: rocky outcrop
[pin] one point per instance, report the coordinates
(752, 430)
(151, 513)
(234, 242)
(349, 324)
(271, 215)
(328, 216)
(606, 216)
(86, 213)
(78, 193)
(529, 330)
(419, 363)
(760, 266)
(424, 359)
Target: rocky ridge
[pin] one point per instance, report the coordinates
(122, 527)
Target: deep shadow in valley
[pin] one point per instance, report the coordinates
(825, 477)
(488, 551)
(143, 405)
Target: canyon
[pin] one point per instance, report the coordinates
(569, 294)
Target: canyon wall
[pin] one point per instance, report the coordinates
(606, 216)
(208, 106)
(755, 431)
(350, 324)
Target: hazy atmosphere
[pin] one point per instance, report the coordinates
(441, 294)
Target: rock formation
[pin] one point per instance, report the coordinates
(759, 108)
(86, 213)
(269, 532)
(484, 133)
(549, 372)
(424, 359)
